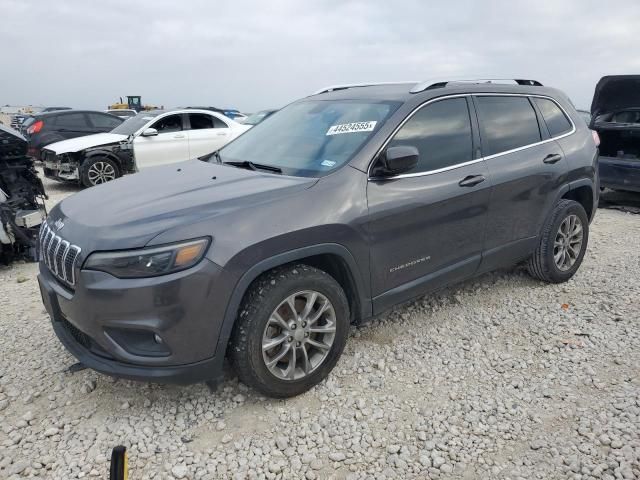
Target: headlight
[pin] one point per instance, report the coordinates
(149, 262)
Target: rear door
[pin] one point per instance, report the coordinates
(169, 146)
(527, 169)
(103, 122)
(207, 133)
(427, 226)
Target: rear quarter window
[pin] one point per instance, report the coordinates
(557, 122)
(506, 123)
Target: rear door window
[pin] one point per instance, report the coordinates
(506, 123)
(71, 121)
(557, 122)
(200, 121)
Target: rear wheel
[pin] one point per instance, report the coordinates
(291, 331)
(563, 243)
(95, 171)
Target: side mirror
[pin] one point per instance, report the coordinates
(150, 132)
(397, 160)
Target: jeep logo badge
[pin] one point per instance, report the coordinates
(58, 224)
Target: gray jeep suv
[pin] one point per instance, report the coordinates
(331, 211)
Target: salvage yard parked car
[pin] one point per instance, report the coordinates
(150, 138)
(341, 206)
(42, 129)
(616, 117)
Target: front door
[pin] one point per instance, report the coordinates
(169, 146)
(427, 226)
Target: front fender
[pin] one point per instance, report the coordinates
(360, 285)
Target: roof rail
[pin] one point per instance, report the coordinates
(421, 87)
(333, 88)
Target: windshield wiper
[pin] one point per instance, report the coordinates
(254, 166)
(209, 156)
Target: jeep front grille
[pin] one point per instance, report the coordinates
(58, 255)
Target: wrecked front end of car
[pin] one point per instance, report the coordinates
(64, 161)
(22, 195)
(65, 166)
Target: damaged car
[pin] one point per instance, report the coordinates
(616, 119)
(151, 138)
(21, 199)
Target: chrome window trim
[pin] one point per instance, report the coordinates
(477, 160)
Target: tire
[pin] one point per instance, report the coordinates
(97, 170)
(543, 264)
(256, 324)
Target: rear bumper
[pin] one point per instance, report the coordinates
(111, 329)
(619, 173)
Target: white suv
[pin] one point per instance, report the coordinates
(150, 138)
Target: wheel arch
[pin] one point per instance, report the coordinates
(581, 191)
(91, 154)
(333, 258)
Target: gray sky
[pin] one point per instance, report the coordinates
(254, 54)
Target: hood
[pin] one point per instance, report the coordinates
(130, 211)
(81, 143)
(616, 92)
(12, 144)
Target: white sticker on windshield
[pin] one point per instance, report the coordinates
(328, 163)
(352, 128)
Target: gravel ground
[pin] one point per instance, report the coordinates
(502, 377)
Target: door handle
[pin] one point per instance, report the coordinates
(552, 158)
(471, 180)
(178, 136)
(221, 134)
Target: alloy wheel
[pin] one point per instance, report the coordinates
(299, 335)
(568, 243)
(101, 172)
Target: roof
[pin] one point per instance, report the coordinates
(64, 112)
(406, 91)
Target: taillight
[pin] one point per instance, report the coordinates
(596, 137)
(35, 128)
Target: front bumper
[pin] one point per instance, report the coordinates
(109, 324)
(59, 166)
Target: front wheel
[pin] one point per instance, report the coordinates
(562, 243)
(291, 330)
(95, 171)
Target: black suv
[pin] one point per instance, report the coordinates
(42, 129)
(331, 211)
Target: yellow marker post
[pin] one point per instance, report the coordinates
(119, 464)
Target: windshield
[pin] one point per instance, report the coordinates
(133, 124)
(310, 138)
